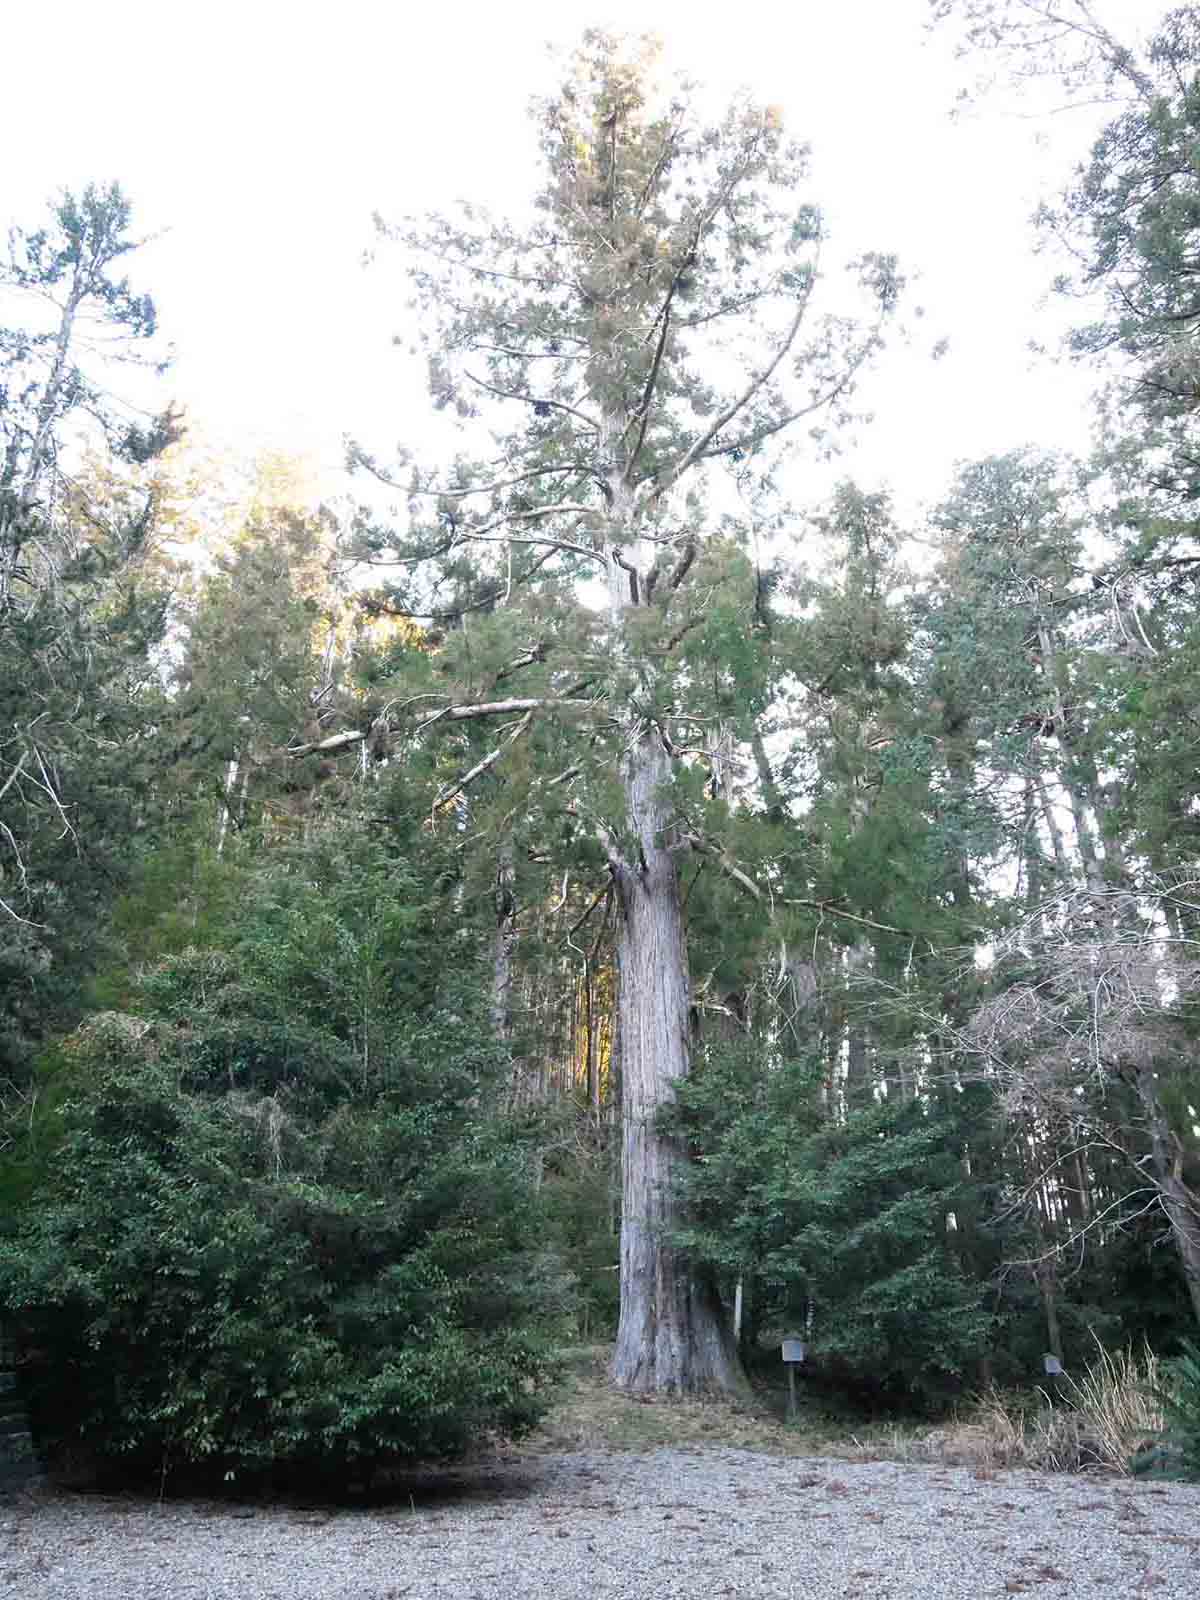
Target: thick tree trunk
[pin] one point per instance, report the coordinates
(671, 1338)
(1182, 1207)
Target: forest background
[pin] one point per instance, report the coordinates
(579, 880)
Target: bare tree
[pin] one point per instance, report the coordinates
(1092, 1039)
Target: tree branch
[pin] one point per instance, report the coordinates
(829, 909)
(500, 708)
(498, 484)
(533, 656)
(699, 446)
(683, 565)
(601, 894)
(14, 774)
(486, 708)
(483, 766)
(534, 400)
(748, 440)
(642, 414)
(485, 535)
(373, 605)
(330, 746)
(706, 847)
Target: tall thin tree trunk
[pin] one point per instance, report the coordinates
(1078, 777)
(1179, 1200)
(1046, 1276)
(1052, 828)
(591, 1040)
(228, 802)
(503, 941)
(858, 1085)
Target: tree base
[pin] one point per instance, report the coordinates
(688, 1353)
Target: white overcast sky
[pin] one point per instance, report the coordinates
(261, 136)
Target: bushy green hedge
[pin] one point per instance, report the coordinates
(257, 1248)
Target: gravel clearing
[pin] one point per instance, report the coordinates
(671, 1523)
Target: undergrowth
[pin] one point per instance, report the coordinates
(1113, 1417)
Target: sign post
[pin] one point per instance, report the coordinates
(1053, 1368)
(794, 1352)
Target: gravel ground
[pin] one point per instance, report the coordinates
(671, 1523)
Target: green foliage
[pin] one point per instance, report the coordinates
(286, 1230)
(1131, 1292)
(79, 611)
(1133, 212)
(180, 897)
(252, 670)
(848, 1217)
(69, 265)
(581, 1188)
(1181, 1403)
(81, 773)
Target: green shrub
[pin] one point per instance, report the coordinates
(1181, 1402)
(269, 1245)
(846, 1219)
(213, 1302)
(581, 1191)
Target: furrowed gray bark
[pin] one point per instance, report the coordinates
(671, 1337)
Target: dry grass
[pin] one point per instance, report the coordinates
(1097, 1422)
(590, 1415)
(1116, 1395)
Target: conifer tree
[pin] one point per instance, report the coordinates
(656, 321)
(80, 610)
(64, 278)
